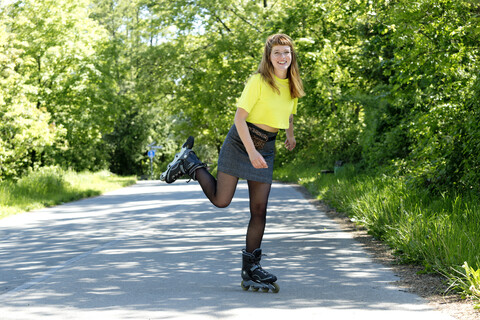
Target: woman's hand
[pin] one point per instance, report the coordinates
(290, 143)
(257, 160)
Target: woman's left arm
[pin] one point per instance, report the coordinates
(290, 143)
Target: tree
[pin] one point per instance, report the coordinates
(58, 44)
(25, 130)
(423, 64)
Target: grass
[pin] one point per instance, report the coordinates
(51, 186)
(466, 281)
(440, 232)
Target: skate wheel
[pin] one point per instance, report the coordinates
(255, 289)
(244, 287)
(265, 289)
(277, 288)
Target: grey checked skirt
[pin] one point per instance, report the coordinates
(233, 158)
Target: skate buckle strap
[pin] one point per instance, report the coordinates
(191, 168)
(260, 273)
(259, 268)
(255, 267)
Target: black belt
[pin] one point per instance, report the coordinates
(267, 133)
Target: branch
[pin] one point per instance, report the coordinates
(220, 20)
(243, 19)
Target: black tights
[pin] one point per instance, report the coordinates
(220, 192)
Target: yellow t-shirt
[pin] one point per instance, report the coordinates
(264, 105)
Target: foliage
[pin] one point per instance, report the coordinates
(25, 131)
(423, 65)
(54, 46)
(468, 281)
(105, 78)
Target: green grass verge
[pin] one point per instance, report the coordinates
(440, 232)
(51, 186)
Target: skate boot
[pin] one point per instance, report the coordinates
(254, 275)
(191, 163)
(175, 168)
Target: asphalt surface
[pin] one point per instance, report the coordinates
(158, 251)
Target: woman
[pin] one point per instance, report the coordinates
(267, 104)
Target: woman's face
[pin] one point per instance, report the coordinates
(281, 58)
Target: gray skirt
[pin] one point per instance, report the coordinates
(233, 158)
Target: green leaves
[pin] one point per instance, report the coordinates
(387, 82)
(56, 44)
(25, 131)
(422, 63)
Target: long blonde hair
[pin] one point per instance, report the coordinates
(265, 68)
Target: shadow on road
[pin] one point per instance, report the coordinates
(158, 247)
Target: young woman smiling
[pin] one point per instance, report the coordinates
(267, 104)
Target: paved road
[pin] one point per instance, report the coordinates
(158, 251)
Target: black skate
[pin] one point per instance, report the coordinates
(175, 168)
(191, 163)
(254, 275)
(185, 162)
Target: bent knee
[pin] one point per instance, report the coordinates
(222, 204)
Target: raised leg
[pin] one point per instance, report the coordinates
(219, 191)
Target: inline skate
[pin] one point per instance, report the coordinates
(185, 162)
(254, 275)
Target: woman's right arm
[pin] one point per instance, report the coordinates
(256, 158)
